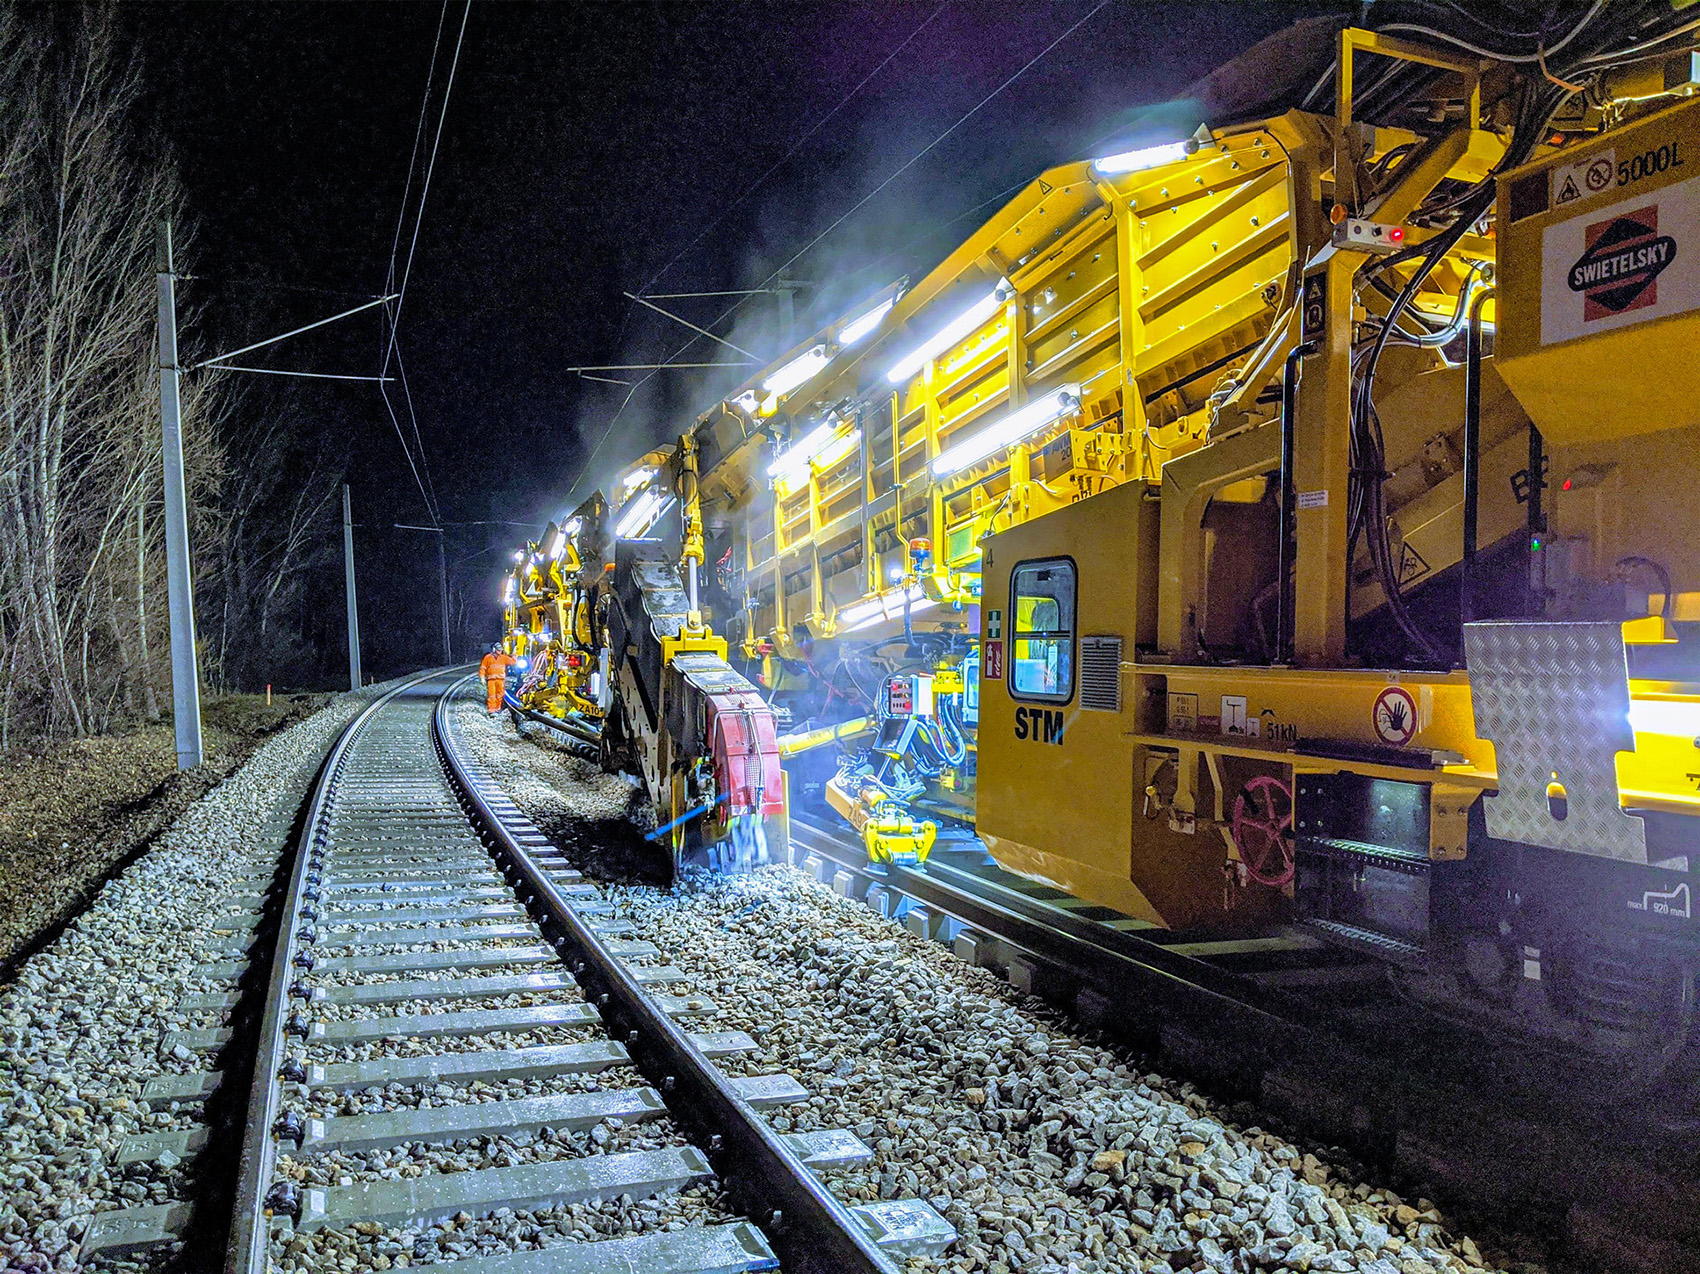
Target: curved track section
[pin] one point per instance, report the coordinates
(453, 1032)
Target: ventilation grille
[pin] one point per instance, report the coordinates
(1101, 674)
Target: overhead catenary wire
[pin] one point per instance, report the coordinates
(789, 154)
(392, 348)
(857, 207)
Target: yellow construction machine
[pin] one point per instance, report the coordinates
(1282, 519)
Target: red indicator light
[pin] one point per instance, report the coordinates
(1397, 234)
(1565, 485)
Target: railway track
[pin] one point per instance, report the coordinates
(439, 1023)
(1315, 1039)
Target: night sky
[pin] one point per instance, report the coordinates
(586, 149)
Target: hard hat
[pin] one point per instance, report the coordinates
(495, 648)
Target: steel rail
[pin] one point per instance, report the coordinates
(250, 1235)
(588, 737)
(809, 1229)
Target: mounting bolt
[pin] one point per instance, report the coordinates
(602, 1000)
(775, 1219)
(716, 1141)
(308, 935)
(297, 1026)
(293, 1071)
(300, 990)
(631, 1037)
(305, 960)
(668, 1084)
(289, 1127)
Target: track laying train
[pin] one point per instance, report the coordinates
(1287, 521)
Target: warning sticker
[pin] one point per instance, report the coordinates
(1395, 716)
(991, 661)
(1312, 499)
(1583, 178)
(1620, 265)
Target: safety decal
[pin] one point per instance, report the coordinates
(991, 661)
(1622, 264)
(1620, 268)
(994, 624)
(1395, 716)
(1585, 177)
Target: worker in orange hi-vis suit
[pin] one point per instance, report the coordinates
(494, 669)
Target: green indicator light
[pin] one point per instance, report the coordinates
(1535, 545)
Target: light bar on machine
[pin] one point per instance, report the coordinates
(797, 371)
(858, 328)
(559, 545)
(1132, 161)
(886, 606)
(951, 333)
(1019, 424)
(790, 464)
(642, 513)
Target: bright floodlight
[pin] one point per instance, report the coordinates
(950, 334)
(887, 606)
(641, 514)
(1132, 161)
(1007, 432)
(797, 371)
(857, 328)
(799, 453)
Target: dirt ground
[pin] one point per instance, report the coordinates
(72, 810)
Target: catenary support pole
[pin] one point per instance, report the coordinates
(348, 575)
(185, 677)
(443, 584)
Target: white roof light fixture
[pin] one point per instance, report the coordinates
(1019, 424)
(950, 334)
(858, 328)
(886, 606)
(797, 371)
(558, 545)
(510, 590)
(641, 514)
(747, 402)
(791, 462)
(637, 479)
(1132, 161)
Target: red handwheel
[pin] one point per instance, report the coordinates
(1263, 830)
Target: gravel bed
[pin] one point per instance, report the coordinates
(351, 977)
(326, 1011)
(611, 1136)
(371, 1246)
(1047, 1150)
(323, 1103)
(369, 1050)
(82, 1027)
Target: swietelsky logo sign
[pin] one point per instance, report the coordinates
(1620, 265)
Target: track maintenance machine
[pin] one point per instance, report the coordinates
(1287, 520)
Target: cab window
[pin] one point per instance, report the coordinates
(1041, 607)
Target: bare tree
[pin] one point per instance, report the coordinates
(79, 442)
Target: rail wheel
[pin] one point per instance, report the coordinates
(1262, 828)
